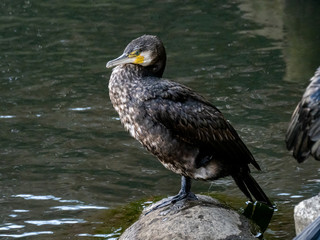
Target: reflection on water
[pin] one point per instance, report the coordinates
(302, 49)
(65, 158)
(19, 226)
(110, 236)
(26, 234)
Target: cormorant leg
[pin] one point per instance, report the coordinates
(184, 194)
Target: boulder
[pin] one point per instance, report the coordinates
(203, 219)
(306, 212)
(311, 232)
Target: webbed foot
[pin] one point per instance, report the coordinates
(178, 201)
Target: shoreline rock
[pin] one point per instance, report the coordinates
(306, 212)
(203, 219)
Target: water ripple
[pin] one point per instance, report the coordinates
(56, 221)
(43, 197)
(80, 109)
(80, 206)
(77, 207)
(111, 236)
(20, 210)
(290, 195)
(7, 116)
(10, 226)
(27, 234)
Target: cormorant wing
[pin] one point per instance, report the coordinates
(303, 132)
(196, 121)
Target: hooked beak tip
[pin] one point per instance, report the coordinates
(108, 65)
(120, 60)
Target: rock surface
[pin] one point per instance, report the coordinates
(311, 232)
(306, 212)
(195, 220)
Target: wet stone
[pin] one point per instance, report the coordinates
(306, 212)
(203, 219)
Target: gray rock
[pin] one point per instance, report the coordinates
(194, 220)
(311, 232)
(306, 212)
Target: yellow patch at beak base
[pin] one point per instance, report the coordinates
(139, 59)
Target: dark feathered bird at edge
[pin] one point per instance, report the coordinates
(303, 134)
(182, 129)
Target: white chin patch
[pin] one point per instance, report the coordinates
(147, 58)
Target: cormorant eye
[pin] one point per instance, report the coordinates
(134, 53)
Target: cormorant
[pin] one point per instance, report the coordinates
(182, 129)
(303, 134)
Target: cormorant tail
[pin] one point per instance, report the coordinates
(248, 185)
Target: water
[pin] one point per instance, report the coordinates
(65, 158)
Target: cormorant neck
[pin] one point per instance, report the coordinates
(135, 71)
(156, 69)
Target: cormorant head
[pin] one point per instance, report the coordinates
(147, 51)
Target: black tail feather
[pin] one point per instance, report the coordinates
(242, 187)
(247, 184)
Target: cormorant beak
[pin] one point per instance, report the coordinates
(125, 58)
(120, 60)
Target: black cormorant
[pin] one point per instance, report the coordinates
(303, 134)
(187, 133)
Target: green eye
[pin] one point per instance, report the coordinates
(134, 53)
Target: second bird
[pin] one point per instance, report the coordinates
(188, 134)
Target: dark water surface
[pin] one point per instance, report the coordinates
(64, 156)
